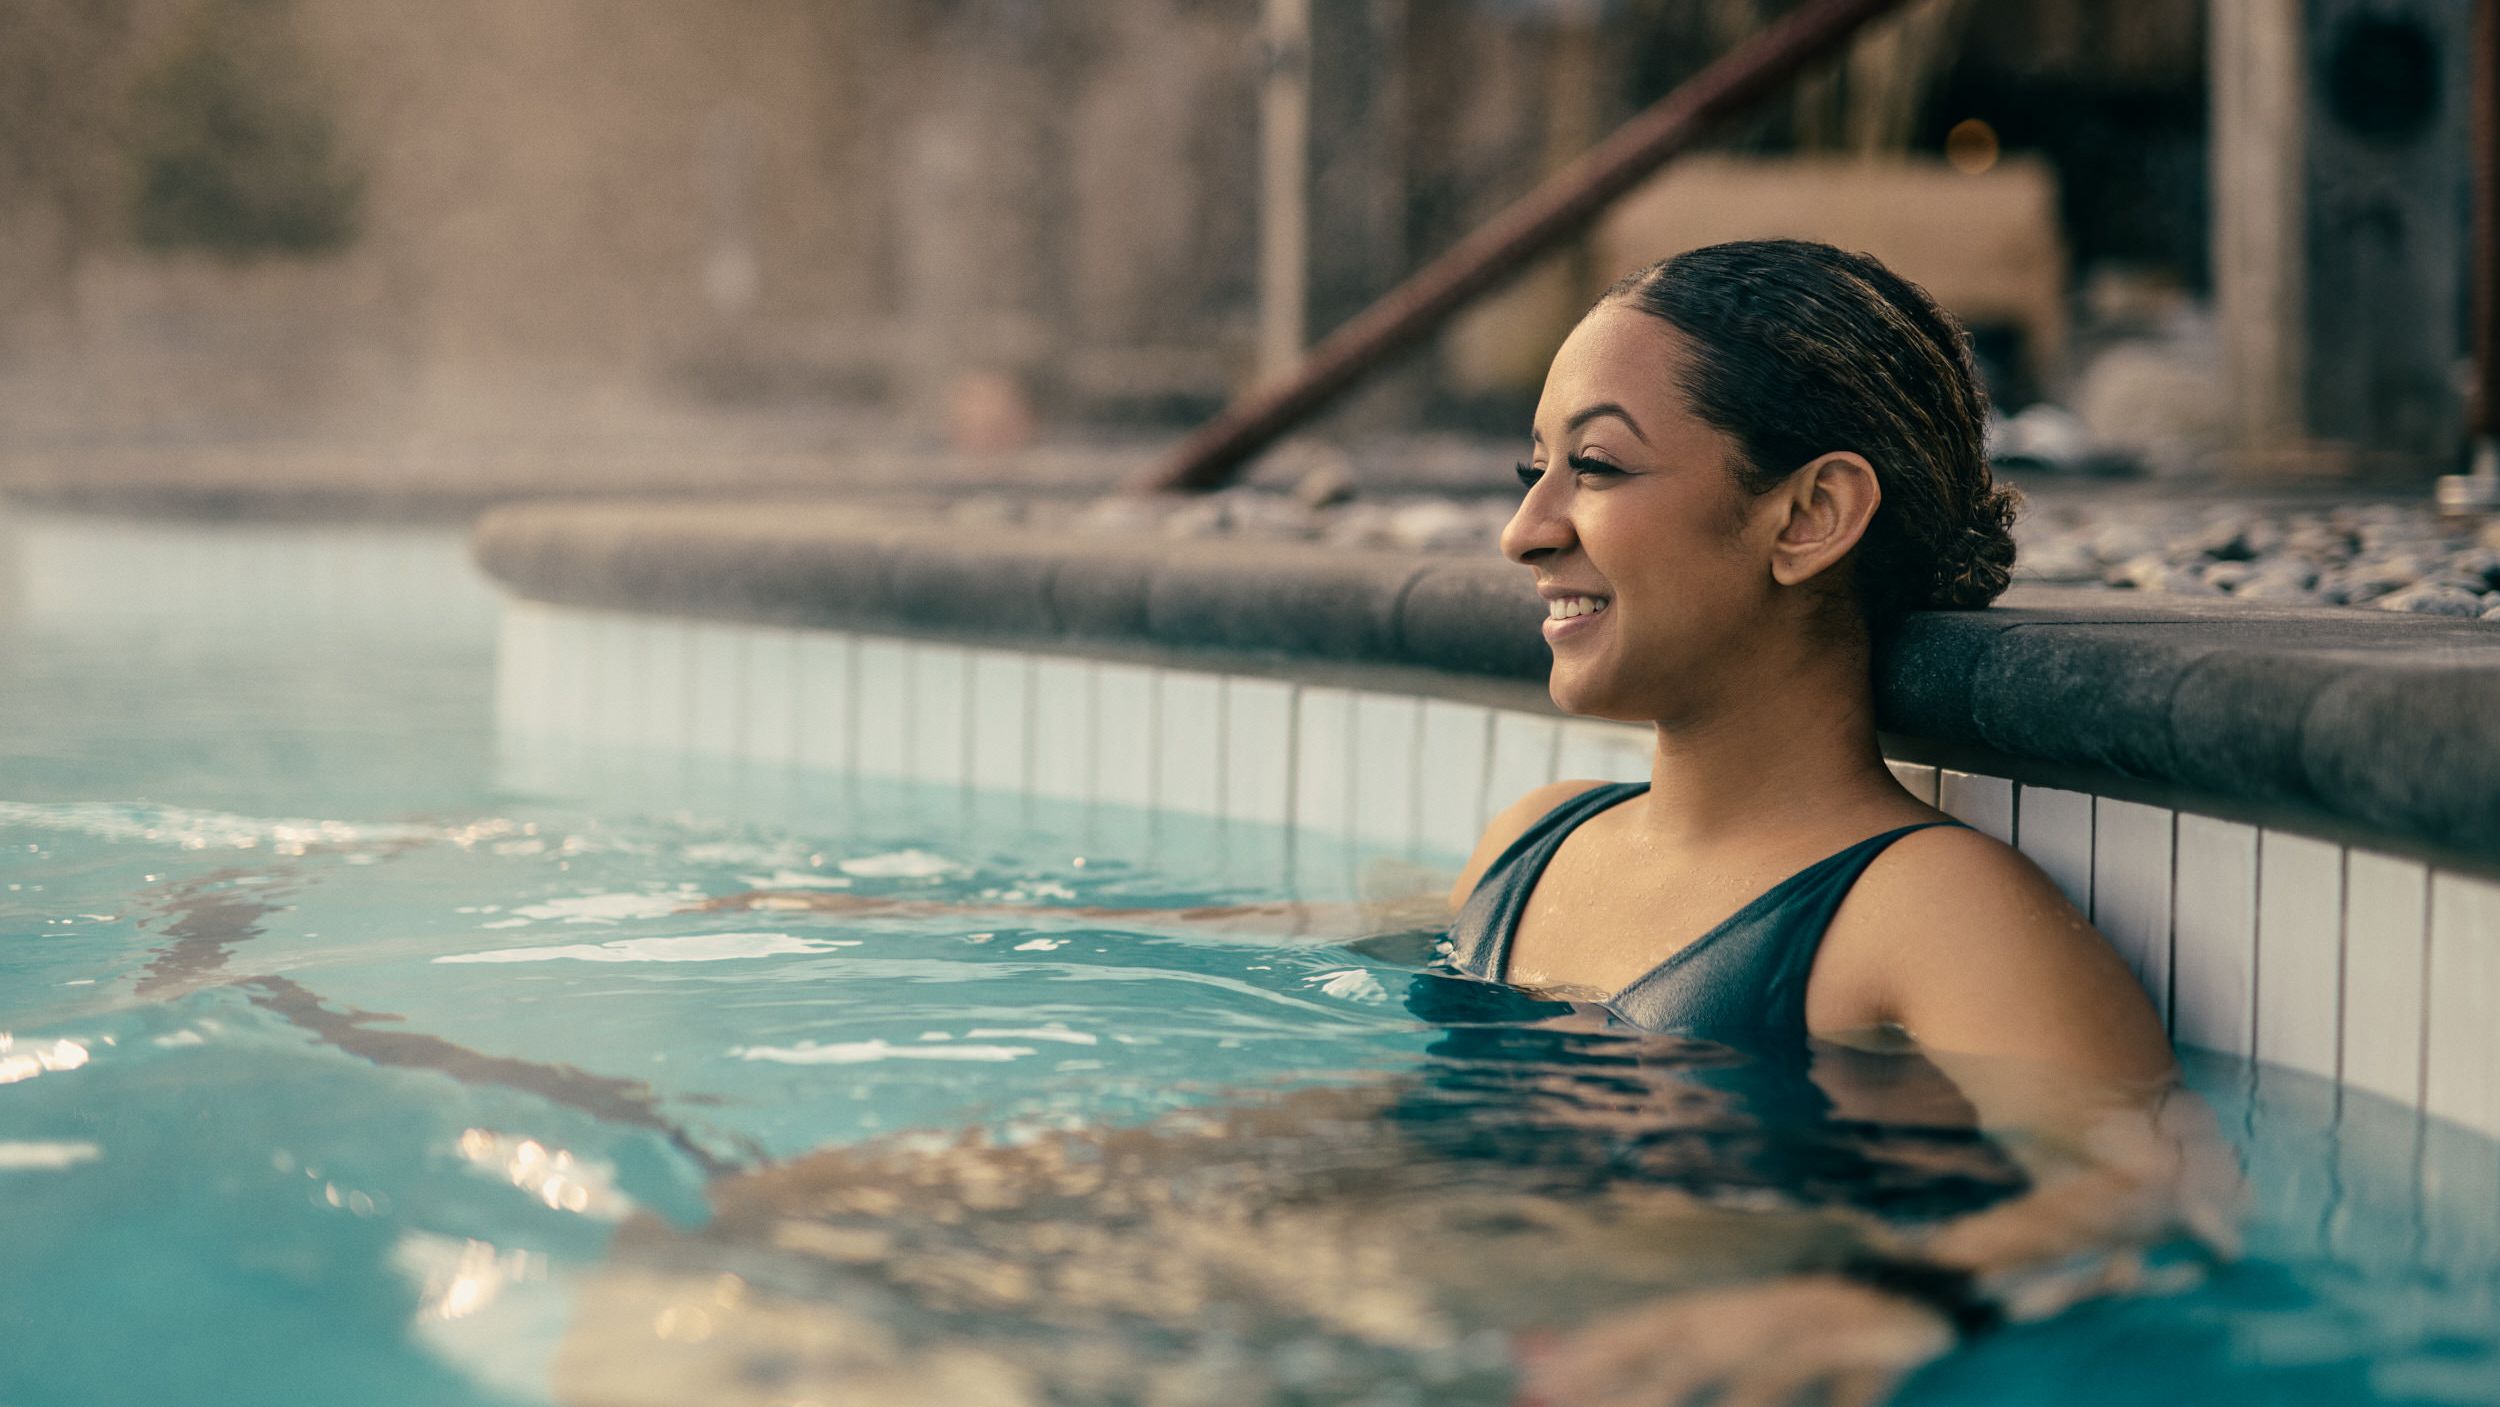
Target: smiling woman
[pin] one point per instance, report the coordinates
(1749, 462)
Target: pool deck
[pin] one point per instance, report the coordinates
(2367, 725)
(452, 478)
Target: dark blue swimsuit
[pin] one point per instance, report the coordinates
(1701, 1070)
(1743, 980)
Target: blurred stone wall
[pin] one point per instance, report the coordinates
(572, 209)
(250, 220)
(554, 211)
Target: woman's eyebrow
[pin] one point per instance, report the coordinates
(1604, 408)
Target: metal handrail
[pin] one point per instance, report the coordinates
(1559, 208)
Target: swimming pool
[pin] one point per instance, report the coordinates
(359, 1053)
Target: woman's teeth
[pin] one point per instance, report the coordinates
(1569, 606)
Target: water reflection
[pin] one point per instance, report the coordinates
(552, 1175)
(1386, 1239)
(41, 1059)
(45, 1155)
(457, 1279)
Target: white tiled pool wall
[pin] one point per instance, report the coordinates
(1323, 765)
(2364, 967)
(272, 578)
(2359, 966)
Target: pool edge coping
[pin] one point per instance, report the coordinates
(2378, 728)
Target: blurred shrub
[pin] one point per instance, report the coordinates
(233, 150)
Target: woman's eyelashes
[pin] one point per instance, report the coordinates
(1580, 464)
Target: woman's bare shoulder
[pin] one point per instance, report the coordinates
(1958, 938)
(1506, 826)
(1933, 875)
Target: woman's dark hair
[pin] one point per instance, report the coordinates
(1799, 350)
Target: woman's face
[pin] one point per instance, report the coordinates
(1653, 561)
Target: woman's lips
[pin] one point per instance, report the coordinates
(1572, 627)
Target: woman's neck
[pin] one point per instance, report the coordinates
(1785, 749)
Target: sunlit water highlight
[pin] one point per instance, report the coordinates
(335, 1070)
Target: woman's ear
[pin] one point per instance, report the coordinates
(1826, 506)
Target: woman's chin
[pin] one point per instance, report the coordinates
(1586, 693)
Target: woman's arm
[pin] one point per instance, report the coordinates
(1351, 924)
(1975, 955)
(2146, 1172)
(1394, 911)
(2142, 1174)
(1959, 942)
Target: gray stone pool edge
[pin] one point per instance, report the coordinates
(2381, 727)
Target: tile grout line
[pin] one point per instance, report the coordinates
(1415, 784)
(965, 701)
(2343, 964)
(1154, 739)
(2092, 859)
(796, 697)
(739, 689)
(2422, 998)
(1154, 743)
(914, 722)
(1346, 763)
(1293, 778)
(1223, 746)
(2256, 941)
(2343, 908)
(1484, 789)
(1092, 773)
(1484, 776)
(850, 710)
(683, 744)
(786, 644)
(1026, 762)
(2170, 938)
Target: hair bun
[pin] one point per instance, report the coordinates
(1977, 564)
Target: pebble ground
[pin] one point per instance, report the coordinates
(2390, 556)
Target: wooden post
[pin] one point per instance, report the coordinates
(1284, 189)
(2485, 412)
(2478, 489)
(2386, 186)
(2259, 250)
(2338, 155)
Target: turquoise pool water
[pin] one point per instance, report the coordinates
(337, 1070)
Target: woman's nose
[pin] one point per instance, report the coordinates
(1536, 530)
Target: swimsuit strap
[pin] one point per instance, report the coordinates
(1747, 973)
(1480, 935)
